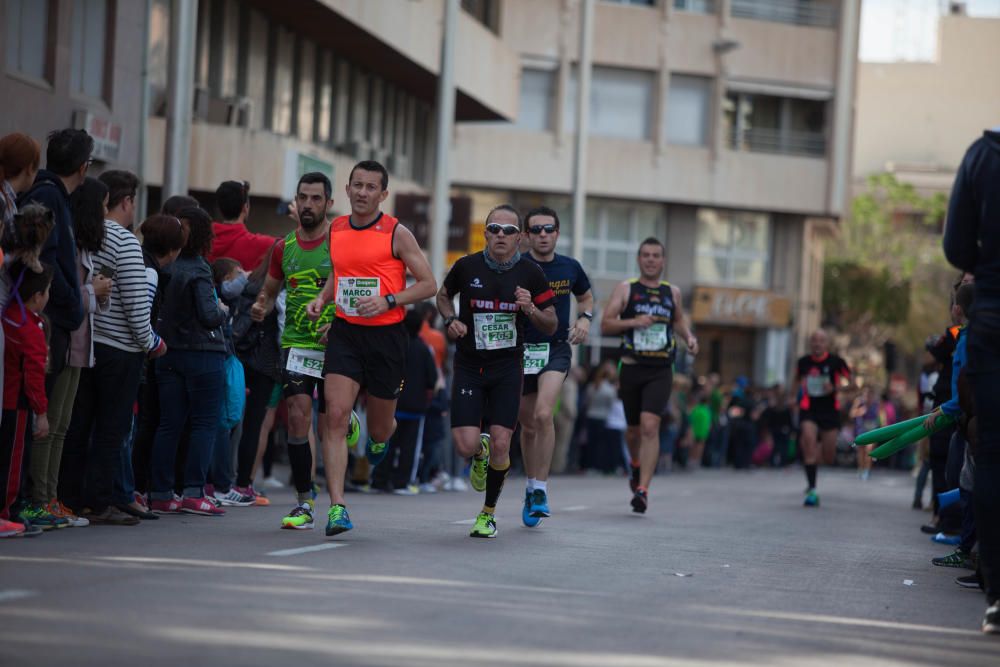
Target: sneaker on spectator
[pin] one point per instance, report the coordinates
(428, 487)
(408, 490)
(234, 498)
(201, 506)
(969, 581)
(140, 499)
(10, 529)
(30, 530)
(272, 483)
(991, 620)
(958, 558)
(56, 508)
(172, 506)
(39, 516)
(112, 516)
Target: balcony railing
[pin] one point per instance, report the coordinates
(785, 142)
(795, 12)
(696, 6)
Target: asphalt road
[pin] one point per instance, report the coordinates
(726, 568)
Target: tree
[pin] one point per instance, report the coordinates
(885, 277)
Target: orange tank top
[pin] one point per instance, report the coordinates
(363, 265)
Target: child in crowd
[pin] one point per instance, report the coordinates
(25, 357)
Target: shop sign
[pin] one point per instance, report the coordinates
(754, 308)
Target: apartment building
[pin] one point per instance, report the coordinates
(722, 127)
(65, 64)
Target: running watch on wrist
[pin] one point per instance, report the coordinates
(448, 320)
(391, 300)
(587, 314)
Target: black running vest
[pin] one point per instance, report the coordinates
(654, 345)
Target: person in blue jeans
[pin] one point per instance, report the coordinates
(190, 375)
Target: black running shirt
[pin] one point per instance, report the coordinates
(487, 307)
(818, 381)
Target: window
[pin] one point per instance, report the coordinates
(771, 124)
(645, 3)
(486, 12)
(689, 104)
(821, 13)
(537, 92)
(696, 6)
(621, 102)
(732, 248)
(88, 46)
(28, 38)
(613, 232)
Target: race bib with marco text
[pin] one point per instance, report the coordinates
(816, 385)
(350, 290)
(536, 357)
(651, 339)
(305, 362)
(494, 331)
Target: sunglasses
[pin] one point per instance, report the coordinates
(538, 229)
(506, 230)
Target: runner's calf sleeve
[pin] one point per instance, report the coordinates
(811, 475)
(300, 458)
(494, 485)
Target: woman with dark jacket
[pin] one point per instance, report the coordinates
(163, 237)
(190, 375)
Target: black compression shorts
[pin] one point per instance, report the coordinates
(492, 391)
(298, 384)
(644, 389)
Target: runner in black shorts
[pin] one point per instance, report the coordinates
(498, 293)
(646, 312)
(371, 254)
(547, 358)
(819, 374)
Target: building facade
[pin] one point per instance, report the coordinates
(722, 128)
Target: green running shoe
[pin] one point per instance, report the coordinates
(486, 526)
(337, 521)
(477, 473)
(958, 558)
(812, 499)
(375, 452)
(300, 518)
(41, 517)
(353, 430)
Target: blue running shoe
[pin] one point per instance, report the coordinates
(539, 504)
(529, 520)
(337, 521)
(375, 452)
(811, 499)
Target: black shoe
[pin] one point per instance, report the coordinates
(918, 504)
(137, 513)
(639, 502)
(969, 581)
(929, 529)
(633, 480)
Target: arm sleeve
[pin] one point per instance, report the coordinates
(88, 299)
(961, 230)
(35, 352)
(541, 293)
(206, 303)
(274, 270)
(132, 291)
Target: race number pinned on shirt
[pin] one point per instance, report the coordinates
(536, 357)
(494, 331)
(350, 290)
(651, 339)
(816, 385)
(305, 362)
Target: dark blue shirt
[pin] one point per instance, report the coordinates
(565, 275)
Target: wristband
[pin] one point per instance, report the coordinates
(586, 315)
(391, 300)
(448, 320)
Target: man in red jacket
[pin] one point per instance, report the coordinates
(232, 239)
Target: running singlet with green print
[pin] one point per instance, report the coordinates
(304, 267)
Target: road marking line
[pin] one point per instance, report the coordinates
(15, 594)
(305, 550)
(464, 522)
(574, 508)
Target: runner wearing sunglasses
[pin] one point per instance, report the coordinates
(547, 357)
(646, 312)
(498, 294)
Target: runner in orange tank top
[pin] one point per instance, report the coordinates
(371, 254)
